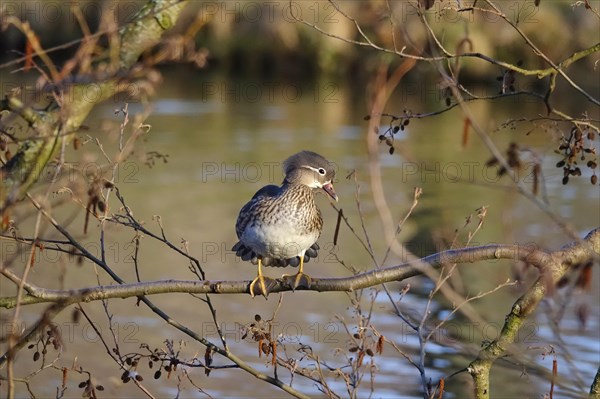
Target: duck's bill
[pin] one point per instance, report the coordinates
(328, 188)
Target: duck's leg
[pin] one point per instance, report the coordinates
(262, 280)
(299, 279)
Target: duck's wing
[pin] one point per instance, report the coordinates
(247, 210)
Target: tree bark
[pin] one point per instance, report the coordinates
(24, 169)
(558, 263)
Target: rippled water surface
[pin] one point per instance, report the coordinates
(224, 140)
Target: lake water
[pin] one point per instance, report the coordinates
(223, 141)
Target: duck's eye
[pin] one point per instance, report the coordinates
(322, 171)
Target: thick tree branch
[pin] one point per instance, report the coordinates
(551, 264)
(595, 388)
(559, 263)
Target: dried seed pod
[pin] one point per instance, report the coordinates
(367, 117)
(537, 169)
(565, 180)
(491, 162)
(379, 347)
(582, 312)
(592, 164)
(266, 348)
(65, 372)
(594, 179)
(138, 377)
(560, 164)
(562, 282)
(257, 317)
(370, 352)
(36, 356)
(396, 129)
(100, 387)
(83, 384)
(76, 315)
(353, 349)
(157, 374)
(392, 149)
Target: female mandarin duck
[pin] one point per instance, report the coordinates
(280, 226)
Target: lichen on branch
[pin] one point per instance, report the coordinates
(23, 170)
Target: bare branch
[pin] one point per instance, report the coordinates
(545, 262)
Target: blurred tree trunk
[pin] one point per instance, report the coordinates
(22, 171)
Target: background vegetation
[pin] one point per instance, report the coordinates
(64, 192)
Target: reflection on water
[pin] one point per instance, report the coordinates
(221, 148)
